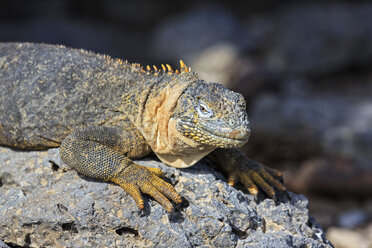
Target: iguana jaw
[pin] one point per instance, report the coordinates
(214, 136)
(189, 142)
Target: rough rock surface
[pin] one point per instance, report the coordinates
(45, 204)
(3, 245)
(315, 38)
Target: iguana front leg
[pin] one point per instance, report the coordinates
(105, 153)
(240, 168)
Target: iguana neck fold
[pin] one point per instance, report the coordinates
(153, 106)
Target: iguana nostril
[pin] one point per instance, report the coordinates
(240, 133)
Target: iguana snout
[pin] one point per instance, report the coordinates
(239, 134)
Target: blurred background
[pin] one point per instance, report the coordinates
(303, 66)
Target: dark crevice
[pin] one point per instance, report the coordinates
(126, 230)
(62, 207)
(239, 233)
(54, 166)
(184, 204)
(28, 239)
(12, 245)
(70, 227)
(27, 225)
(188, 239)
(93, 208)
(176, 217)
(7, 179)
(263, 225)
(30, 225)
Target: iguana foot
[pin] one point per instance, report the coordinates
(253, 175)
(136, 178)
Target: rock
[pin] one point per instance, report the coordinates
(186, 35)
(352, 219)
(332, 177)
(3, 245)
(217, 63)
(314, 39)
(344, 238)
(44, 203)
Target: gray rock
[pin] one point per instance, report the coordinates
(3, 245)
(352, 219)
(188, 34)
(44, 203)
(314, 38)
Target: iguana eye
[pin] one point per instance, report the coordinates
(204, 110)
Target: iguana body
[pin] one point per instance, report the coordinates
(105, 112)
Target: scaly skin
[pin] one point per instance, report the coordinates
(104, 112)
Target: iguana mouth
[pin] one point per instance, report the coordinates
(213, 138)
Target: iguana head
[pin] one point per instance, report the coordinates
(213, 115)
(182, 117)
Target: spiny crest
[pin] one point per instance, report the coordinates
(165, 69)
(155, 70)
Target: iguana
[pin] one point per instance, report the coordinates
(105, 112)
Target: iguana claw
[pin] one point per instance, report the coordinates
(136, 178)
(255, 175)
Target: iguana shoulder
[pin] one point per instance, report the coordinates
(47, 91)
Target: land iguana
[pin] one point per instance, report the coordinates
(105, 112)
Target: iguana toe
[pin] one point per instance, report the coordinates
(254, 176)
(137, 178)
